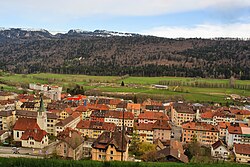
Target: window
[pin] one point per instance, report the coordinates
(111, 158)
(111, 152)
(17, 134)
(99, 156)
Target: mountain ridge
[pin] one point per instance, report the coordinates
(102, 52)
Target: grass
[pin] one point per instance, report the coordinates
(132, 85)
(25, 162)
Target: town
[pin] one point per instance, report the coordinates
(47, 123)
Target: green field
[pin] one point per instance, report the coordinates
(21, 162)
(133, 85)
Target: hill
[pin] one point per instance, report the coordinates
(111, 53)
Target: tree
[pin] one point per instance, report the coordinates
(122, 84)
(135, 144)
(1, 88)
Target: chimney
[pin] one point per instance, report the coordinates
(70, 134)
(179, 154)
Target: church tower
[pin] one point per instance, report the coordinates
(42, 116)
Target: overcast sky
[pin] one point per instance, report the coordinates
(165, 18)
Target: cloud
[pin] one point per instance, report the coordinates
(235, 30)
(85, 8)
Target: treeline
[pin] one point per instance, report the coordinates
(205, 84)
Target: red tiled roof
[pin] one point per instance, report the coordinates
(98, 107)
(143, 126)
(199, 126)
(242, 149)
(161, 124)
(234, 129)
(150, 115)
(114, 101)
(36, 134)
(76, 114)
(223, 125)
(240, 112)
(207, 115)
(69, 110)
(81, 108)
(23, 124)
(132, 106)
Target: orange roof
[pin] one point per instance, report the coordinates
(76, 114)
(242, 148)
(199, 126)
(23, 124)
(81, 108)
(240, 112)
(223, 125)
(234, 129)
(69, 110)
(102, 107)
(36, 134)
(143, 126)
(132, 106)
(150, 115)
(114, 101)
(207, 115)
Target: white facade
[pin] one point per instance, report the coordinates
(220, 152)
(42, 120)
(17, 134)
(31, 143)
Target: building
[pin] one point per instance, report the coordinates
(162, 130)
(242, 152)
(6, 95)
(222, 126)
(86, 112)
(182, 113)
(69, 122)
(4, 134)
(7, 105)
(110, 146)
(237, 134)
(219, 150)
(116, 117)
(134, 108)
(35, 138)
(202, 132)
(173, 153)
(151, 117)
(93, 129)
(6, 120)
(144, 131)
(70, 144)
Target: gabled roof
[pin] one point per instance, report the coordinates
(218, 144)
(207, 115)
(234, 129)
(133, 106)
(223, 125)
(65, 121)
(72, 137)
(201, 126)
(242, 149)
(161, 124)
(36, 134)
(111, 138)
(143, 126)
(81, 108)
(23, 124)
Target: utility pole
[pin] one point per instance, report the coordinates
(122, 131)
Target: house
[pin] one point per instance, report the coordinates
(65, 113)
(93, 129)
(6, 95)
(241, 114)
(242, 152)
(144, 131)
(182, 113)
(69, 122)
(152, 132)
(86, 112)
(7, 105)
(98, 115)
(162, 130)
(134, 108)
(237, 134)
(202, 132)
(222, 126)
(7, 120)
(172, 153)
(35, 138)
(151, 117)
(223, 114)
(110, 146)
(116, 117)
(70, 144)
(219, 150)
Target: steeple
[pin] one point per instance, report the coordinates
(41, 108)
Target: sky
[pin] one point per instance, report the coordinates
(163, 18)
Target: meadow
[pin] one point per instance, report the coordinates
(190, 89)
(25, 162)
